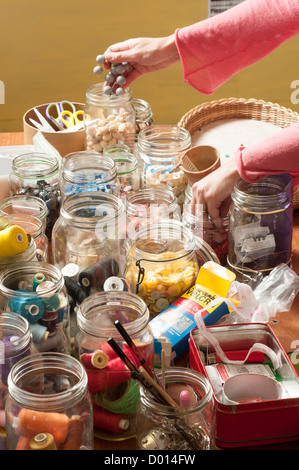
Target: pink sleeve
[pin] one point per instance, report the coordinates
(276, 155)
(215, 49)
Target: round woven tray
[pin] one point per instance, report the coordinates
(240, 108)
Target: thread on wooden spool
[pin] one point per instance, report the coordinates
(43, 441)
(108, 350)
(110, 422)
(74, 437)
(30, 422)
(75, 291)
(95, 275)
(114, 373)
(54, 342)
(13, 240)
(29, 307)
(39, 332)
(122, 399)
(95, 360)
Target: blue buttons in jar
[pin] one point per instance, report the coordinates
(88, 171)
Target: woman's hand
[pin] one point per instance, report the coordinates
(144, 55)
(212, 193)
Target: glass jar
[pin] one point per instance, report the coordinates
(144, 114)
(114, 393)
(160, 147)
(162, 264)
(48, 406)
(107, 117)
(26, 205)
(91, 233)
(88, 171)
(213, 231)
(34, 228)
(190, 426)
(128, 171)
(149, 205)
(37, 174)
(15, 343)
(28, 255)
(261, 225)
(36, 291)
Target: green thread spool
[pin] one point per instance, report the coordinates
(124, 404)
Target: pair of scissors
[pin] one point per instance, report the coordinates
(70, 119)
(55, 113)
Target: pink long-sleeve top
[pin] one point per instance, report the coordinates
(215, 49)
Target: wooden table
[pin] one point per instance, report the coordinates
(285, 325)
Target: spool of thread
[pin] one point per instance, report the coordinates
(31, 308)
(55, 342)
(50, 320)
(109, 421)
(70, 270)
(23, 443)
(106, 348)
(30, 423)
(75, 291)
(38, 279)
(95, 275)
(96, 360)
(51, 302)
(101, 379)
(13, 240)
(39, 332)
(115, 283)
(43, 441)
(122, 399)
(74, 438)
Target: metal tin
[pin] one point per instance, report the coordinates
(248, 424)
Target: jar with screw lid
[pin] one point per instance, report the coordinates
(91, 233)
(107, 117)
(88, 171)
(160, 148)
(114, 393)
(128, 171)
(162, 264)
(15, 343)
(37, 174)
(36, 291)
(187, 426)
(261, 225)
(48, 406)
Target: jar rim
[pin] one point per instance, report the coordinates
(104, 301)
(142, 109)
(163, 142)
(20, 169)
(84, 200)
(74, 164)
(40, 362)
(28, 220)
(28, 254)
(95, 95)
(11, 320)
(26, 198)
(31, 268)
(248, 194)
(177, 375)
(163, 196)
(125, 156)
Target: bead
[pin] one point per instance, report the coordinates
(100, 59)
(119, 91)
(121, 80)
(107, 90)
(109, 78)
(97, 70)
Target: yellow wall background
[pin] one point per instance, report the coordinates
(48, 51)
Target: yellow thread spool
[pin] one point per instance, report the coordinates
(13, 240)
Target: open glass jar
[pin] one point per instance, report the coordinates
(15, 344)
(28, 255)
(36, 291)
(37, 174)
(261, 226)
(160, 148)
(162, 264)
(107, 118)
(149, 205)
(88, 171)
(25, 205)
(49, 406)
(91, 233)
(127, 166)
(189, 426)
(114, 393)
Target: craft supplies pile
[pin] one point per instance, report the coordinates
(119, 282)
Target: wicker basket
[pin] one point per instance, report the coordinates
(235, 108)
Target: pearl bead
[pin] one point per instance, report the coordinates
(121, 80)
(100, 59)
(109, 78)
(97, 70)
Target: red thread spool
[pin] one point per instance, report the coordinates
(114, 374)
(111, 422)
(106, 348)
(23, 443)
(74, 438)
(95, 360)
